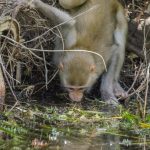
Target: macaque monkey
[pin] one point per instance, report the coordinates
(94, 26)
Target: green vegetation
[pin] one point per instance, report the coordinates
(49, 124)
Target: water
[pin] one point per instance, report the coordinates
(101, 142)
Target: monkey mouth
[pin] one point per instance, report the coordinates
(75, 96)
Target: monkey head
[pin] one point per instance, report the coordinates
(77, 73)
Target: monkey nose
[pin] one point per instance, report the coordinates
(76, 96)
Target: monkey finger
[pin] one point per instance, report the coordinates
(121, 95)
(112, 101)
(109, 98)
(119, 92)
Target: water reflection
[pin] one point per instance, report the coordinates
(102, 142)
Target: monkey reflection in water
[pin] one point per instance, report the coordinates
(98, 26)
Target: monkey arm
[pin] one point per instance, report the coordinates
(57, 17)
(54, 14)
(69, 4)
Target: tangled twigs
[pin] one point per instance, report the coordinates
(12, 27)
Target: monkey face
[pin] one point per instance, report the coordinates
(77, 74)
(76, 93)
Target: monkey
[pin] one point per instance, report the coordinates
(67, 4)
(90, 29)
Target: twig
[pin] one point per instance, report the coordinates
(86, 51)
(135, 79)
(146, 92)
(87, 11)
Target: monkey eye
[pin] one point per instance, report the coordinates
(76, 88)
(81, 89)
(70, 89)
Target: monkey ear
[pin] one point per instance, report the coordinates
(92, 68)
(61, 66)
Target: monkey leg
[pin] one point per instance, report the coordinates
(117, 63)
(59, 18)
(107, 83)
(119, 52)
(110, 87)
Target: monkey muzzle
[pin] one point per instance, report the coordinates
(76, 96)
